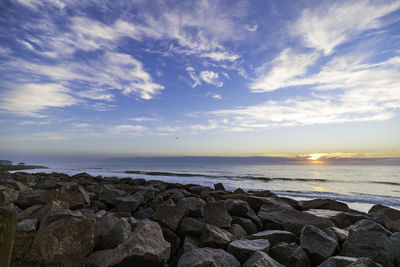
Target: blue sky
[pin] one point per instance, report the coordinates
(228, 78)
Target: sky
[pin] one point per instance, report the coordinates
(275, 78)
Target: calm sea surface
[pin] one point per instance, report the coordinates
(358, 185)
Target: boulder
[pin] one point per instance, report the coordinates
(256, 202)
(110, 231)
(7, 195)
(146, 246)
(190, 243)
(338, 261)
(274, 236)
(208, 257)
(290, 219)
(244, 248)
(261, 259)
(340, 234)
(172, 238)
(237, 207)
(318, 245)
(143, 214)
(237, 231)
(191, 226)
(75, 199)
(56, 215)
(246, 224)
(109, 196)
(80, 189)
(290, 255)
(372, 244)
(339, 218)
(28, 225)
(171, 215)
(194, 204)
(364, 262)
(128, 203)
(389, 212)
(327, 204)
(215, 237)
(40, 212)
(8, 221)
(215, 213)
(219, 186)
(64, 241)
(368, 225)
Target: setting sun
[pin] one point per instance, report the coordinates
(316, 156)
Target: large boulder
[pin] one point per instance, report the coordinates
(237, 231)
(194, 204)
(318, 245)
(215, 213)
(189, 243)
(110, 231)
(274, 236)
(28, 225)
(372, 244)
(261, 259)
(340, 218)
(191, 226)
(290, 255)
(64, 241)
(75, 199)
(208, 257)
(237, 207)
(145, 247)
(128, 203)
(244, 248)
(364, 262)
(171, 215)
(368, 225)
(290, 219)
(215, 237)
(246, 224)
(56, 215)
(8, 221)
(256, 202)
(40, 212)
(7, 195)
(389, 212)
(327, 204)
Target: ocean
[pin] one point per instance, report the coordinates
(360, 186)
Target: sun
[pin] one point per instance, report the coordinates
(315, 156)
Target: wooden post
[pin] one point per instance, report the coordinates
(8, 222)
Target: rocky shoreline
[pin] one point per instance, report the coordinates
(82, 220)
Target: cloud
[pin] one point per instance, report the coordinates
(193, 76)
(143, 119)
(215, 96)
(326, 27)
(211, 77)
(127, 128)
(251, 28)
(220, 56)
(30, 99)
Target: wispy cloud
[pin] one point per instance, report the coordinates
(211, 77)
(127, 129)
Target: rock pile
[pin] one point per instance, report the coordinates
(82, 220)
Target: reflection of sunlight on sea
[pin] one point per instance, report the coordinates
(319, 189)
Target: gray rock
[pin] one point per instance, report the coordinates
(340, 234)
(171, 215)
(28, 225)
(274, 236)
(215, 237)
(338, 261)
(339, 218)
(75, 199)
(56, 215)
(290, 255)
(261, 259)
(110, 231)
(215, 213)
(327, 204)
(368, 225)
(364, 262)
(237, 207)
(390, 213)
(8, 221)
(190, 243)
(80, 189)
(237, 231)
(371, 244)
(208, 257)
(256, 202)
(146, 246)
(143, 214)
(191, 226)
(7, 195)
(128, 203)
(246, 224)
(244, 248)
(318, 245)
(194, 204)
(290, 220)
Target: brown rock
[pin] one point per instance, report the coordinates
(171, 215)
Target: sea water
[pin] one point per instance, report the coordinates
(360, 186)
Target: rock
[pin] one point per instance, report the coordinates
(109, 196)
(208, 257)
(40, 212)
(215, 237)
(56, 215)
(8, 221)
(7, 195)
(237, 231)
(327, 204)
(364, 262)
(239, 191)
(143, 214)
(174, 194)
(128, 203)
(290, 219)
(80, 189)
(110, 231)
(171, 215)
(368, 225)
(317, 244)
(390, 213)
(246, 224)
(256, 202)
(75, 199)
(274, 236)
(338, 261)
(340, 234)
(244, 248)
(290, 255)
(219, 186)
(191, 226)
(65, 241)
(172, 238)
(146, 246)
(371, 244)
(261, 259)
(189, 243)
(237, 207)
(194, 204)
(339, 218)
(28, 225)
(215, 213)
(393, 226)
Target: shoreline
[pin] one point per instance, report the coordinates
(124, 221)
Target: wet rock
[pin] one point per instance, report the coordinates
(368, 225)
(318, 245)
(290, 219)
(194, 204)
(208, 257)
(274, 236)
(28, 225)
(338, 261)
(246, 224)
(237, 231)
(290, 255)
(372, 244)
(244, 248)
(65, 241)
(215, 213)
(259, 259)
(146, 246)
(215, 237)
(219, 186)
(191, 226)
(327, 204)
(110, 231)
(171, 215)
(237, 207)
